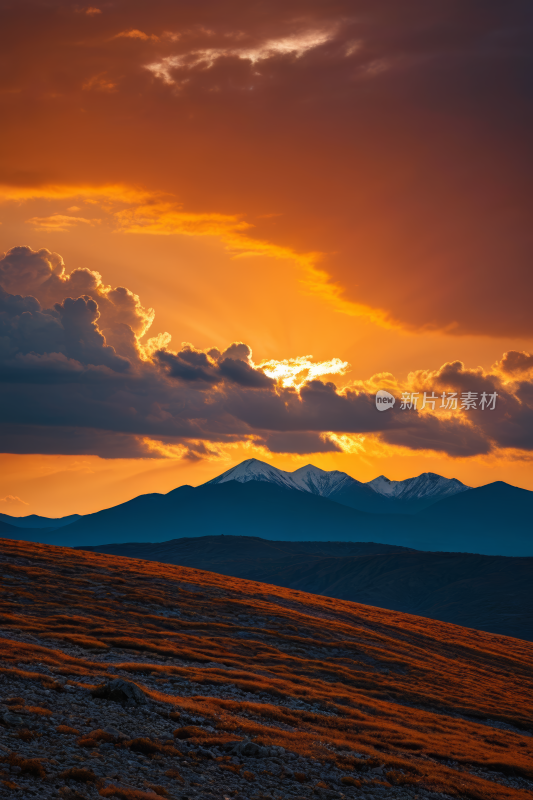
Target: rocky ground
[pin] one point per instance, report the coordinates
(120, 678)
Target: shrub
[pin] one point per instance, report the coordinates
(235, 768)
(159, 790)
(144, 745)
(11, 785)
(126, 794)
(92, 739)
(173, 773)
(301, 777)
(188, 732)
(28, 766)
(88, 742)
(395, 777)
(347, 780)
(42, 712)
(26, 735)
(101, 736)
(67, 729)
(78, 774)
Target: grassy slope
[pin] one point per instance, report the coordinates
(396, 683)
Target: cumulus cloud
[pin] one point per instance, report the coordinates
(515, 361)
(42, 275)
(78, 379)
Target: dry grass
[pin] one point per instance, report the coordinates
(175, 775)
(28, 766)
(424, 699)
(128, 794)
(79, 774)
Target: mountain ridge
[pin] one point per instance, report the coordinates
(379, 496)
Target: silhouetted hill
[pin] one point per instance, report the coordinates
(215, 549)
(35, 521)
(12, 532)
(492, 520)
(241, 509)
(490, 593)
(496, 519)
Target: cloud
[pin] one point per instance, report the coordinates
(99, 83)
(391, 145)
(297, 371)
(60, 222)
(515, 362)
(295, 45)
(42, 274)
(136, 34)
(77, 378)
(10, 502)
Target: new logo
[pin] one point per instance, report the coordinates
(384, 400)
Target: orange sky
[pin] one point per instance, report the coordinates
(337, 181)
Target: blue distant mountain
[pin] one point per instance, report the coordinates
(309, 504)
(34, 521)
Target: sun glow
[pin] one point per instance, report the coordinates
(294, 372)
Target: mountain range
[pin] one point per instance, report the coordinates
(310, 504)
(35, 521)
(379, 496)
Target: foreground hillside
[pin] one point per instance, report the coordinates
(490, 593)
(138, 680)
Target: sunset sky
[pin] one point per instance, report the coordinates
(225, 225)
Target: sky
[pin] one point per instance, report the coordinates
(225, 226)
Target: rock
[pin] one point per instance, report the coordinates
(116, 733)
(247, 748)
(205, 753)
(120, 691)
(11, 720)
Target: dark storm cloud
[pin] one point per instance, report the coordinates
(66, 440)
(182, 365)
(69, 330)
(299, 442)
(65, 389)
(242, 373)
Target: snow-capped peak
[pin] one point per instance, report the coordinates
(334, 483)
(428, 484)
(305, 479)
(254, 470)
(319, 481)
